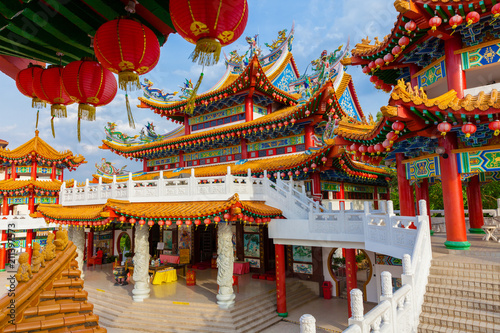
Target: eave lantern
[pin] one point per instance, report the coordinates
(495, 126)
(469, 129)
(444, 127)
(24, 83)
(48, 86)
(210, 24)
(89, 84)
(128, 48)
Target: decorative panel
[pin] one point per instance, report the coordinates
(212, 153)
(216, 115)
(382, 259)
(330, 186)
(432, 75)
(347, 103)
(17, 200)
(283, 80)
(423, 168)
(163, 161)
(289, 141)
(357, 188)
(479, 161)
(483, 56)
(45, 200)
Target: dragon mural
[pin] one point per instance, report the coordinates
(328, 133)
(148, 133)
(107, 168)
(113, 135)
(276, 43)
(158, 94)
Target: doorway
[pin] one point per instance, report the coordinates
(124, 245)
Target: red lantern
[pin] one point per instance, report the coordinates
(444, 127)
(48, 86)
(354, 147)
(391, 136)
(207, 221)
(227, 216)
(197, 222)
(179, 222)
(89, 84)
(403, 42)
(142, 222)
(24, 83)
(396, 50)
(297, 173)
(372, 65)
(388, 58)
(435, 22)
(469, 128)
(370, 149)
(373, 79)
(455, 21)
(366, 69)
(495, 126)
(324, 159)
(151, 223)
(410, 26)
(387, 145)
(472, 18)
(168, 223)
(161, 223)
(378, 148)
(363, 149)
(379, 62)
(314, 166)
(398, 126)
(189, 222)
(495, 10)
(209, 25)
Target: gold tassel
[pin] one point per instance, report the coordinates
(37, 103)
(86, 112)
(78, 128)
(131, 122)
(52, 126)
(37, 116)
(207, 51)
(129, 81)
(58, 111)
(192, 96)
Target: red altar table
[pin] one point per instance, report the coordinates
(169, 259)
(241, 267)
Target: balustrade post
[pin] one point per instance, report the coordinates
(86, 190)
(99, 188)
(387, 295)
(113, 187)
(390, 208)
(161, 184)
(73, 193)
(228, 180)
(192, 183)
(366, 206)
(386, 278)
(498, 207)
(249, 181)
(130, 186)
(383, 206)
(356, 306)
(62, 192)
(307, 324)
(407, 276)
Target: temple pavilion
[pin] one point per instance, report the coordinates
(441, 122)
(262, 124)
(33, 175)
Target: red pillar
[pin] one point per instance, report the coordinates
(308, 133)
(341, 194)
(90, 245)
(414, 70)
(375, 197)
(5, 206)
(270, 108)
(455, 76)
(145, 165)
(476, 218)
(7, 175)
(456, 236)
(422, 193)
(244, 151)
(181, 159)
(53, 173)
(33, 169)
(31, 202)
(351, 270)
(279, 249)
(61, 177)
(248, 108)
(316, 186)
(187, 128)
(13, 172)
(406, 202)
(29, 241)
(3, 251)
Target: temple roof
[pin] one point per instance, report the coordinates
(17, 184)
(155, 210)
(3, 143)
(38, 148)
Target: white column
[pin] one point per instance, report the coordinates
(70, 232)
(141, 264)
(307, 324)
(79, 241)
(225, 261)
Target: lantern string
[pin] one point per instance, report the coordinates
(131, 122)
(37, 117)
(78, 128)
(52, 127)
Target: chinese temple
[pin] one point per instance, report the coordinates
(33, 176)
(262, 124)
(441, 122)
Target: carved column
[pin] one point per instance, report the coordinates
(78, 239)
(307, 324)
(356, 303)
(351, 270)
(386, 284)
(141, 264)
(225, 261)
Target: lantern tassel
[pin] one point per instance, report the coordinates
(86, 112)
(192, 96)
(52, 127)
(58, 111)
(207, 51)
(131, 121)
(37, 103)
(37, 117)
(78, 128)
(129, 81)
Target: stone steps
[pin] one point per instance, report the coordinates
(471, 303)
(457, 323)
(449, 290)
(462, 312)
(468, 273)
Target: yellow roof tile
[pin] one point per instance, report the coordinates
(53, 211)
(11, 184)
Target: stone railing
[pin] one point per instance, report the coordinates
(279, 194)
(399, 311)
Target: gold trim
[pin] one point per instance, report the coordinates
(479, 46)
(346, 79)
(434, 63)
(464, 150)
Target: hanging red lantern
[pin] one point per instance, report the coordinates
(142, 222)
(324, 159)
(396, 50)
(403, 42)
(495, 10)
(444, 127)
(313, 166)
(373, 79)
(372, 65)
(410, 26)
(387, 145)
(89, 84)
(391, 136)
(128, 48)
(197, 222)
(151, 223)
(472, 18)
(435, 22)
(363, 149)
(366, 69)
(378, 148)
(455, 21)
(48, 86)
(24, 83)
(179, 222)
(189, 222)
(398, 126)
(209, 24)
(379, 62)
(354, 147)
(161, 223)
(370, 149)
(388, 58)
(495, 126)
(469, 129)
(207, 221)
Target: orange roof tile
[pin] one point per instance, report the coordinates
(58, 212)
(15, 184)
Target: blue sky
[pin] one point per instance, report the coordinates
(319, 25)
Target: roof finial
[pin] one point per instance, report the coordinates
(36, 132)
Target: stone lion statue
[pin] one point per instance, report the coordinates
(49, 252)
(24, 273)
(62, 239)
(37, 258)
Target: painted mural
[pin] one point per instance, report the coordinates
(254, 263)
(184, 237)
(251, 244)
(303, 268)
(302, 253)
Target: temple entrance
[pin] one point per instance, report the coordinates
(154, 238)
(124, 245)
(337, 270)
(205, 244)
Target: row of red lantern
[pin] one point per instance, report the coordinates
(380, 84)
(468, 128)
(456, 20)
(353, 173)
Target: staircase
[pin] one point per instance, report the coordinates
(463, 295)
(249, 315)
